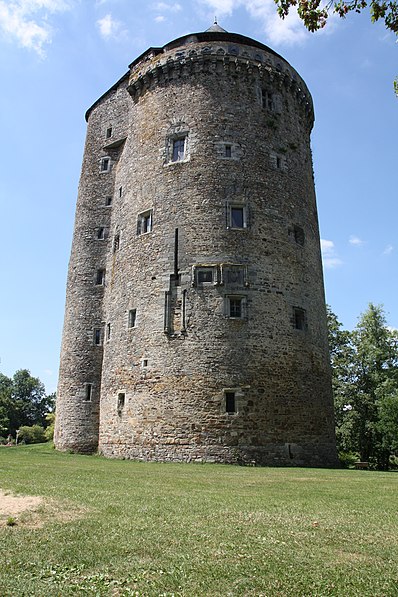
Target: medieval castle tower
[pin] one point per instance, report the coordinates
(195, 324)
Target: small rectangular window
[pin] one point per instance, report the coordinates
(108, 201)
(144, 222)
(100, 279)
(237, 216)
(120, 191)
(299, 236)
(204, 275)
(132, 318)
(235, 307)
(267, 100)
(97, 336)
(105, 164)
(88, 391)
(145, 362)
(278, 161)
(299, 318)
(108, 331)
(228, 151)
(230, 402)
(101, 233)
(121, 401)
(109, 132)
(178, 149)
(116, 242)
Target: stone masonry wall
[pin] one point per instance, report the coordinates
(78, 407)
(172, 354)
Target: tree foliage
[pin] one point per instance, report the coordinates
(23, 402)
(34, 434)
(365, 385)
(315, 13)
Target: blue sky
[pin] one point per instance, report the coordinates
(58, 56)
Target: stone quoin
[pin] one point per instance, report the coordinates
(195, 321)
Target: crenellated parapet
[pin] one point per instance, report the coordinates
(262, 68)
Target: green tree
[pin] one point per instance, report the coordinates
(23, 402)
(376, 367)
(387, 425)
(34, 434)
(365, 386)
(30, 400)
(315, 13)
(341, 359)
(49, 431)
(5, 404)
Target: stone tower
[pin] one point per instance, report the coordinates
(195, 324)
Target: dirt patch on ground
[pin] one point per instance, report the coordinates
(12, 505)
(34, 511)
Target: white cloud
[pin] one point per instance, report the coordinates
(388, 250)
(165, 7)
(173, 7)
(327, 246)
(329, 256)
(355, 241)
(108, 26)
(222, 7)
(25, 21)
(278, 31)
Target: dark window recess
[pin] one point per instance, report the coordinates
(228, 151)
(267, 100)
(145, 363)
(120, 191)
(278, 162)
(88, 391)
(237, 217)
(299, 318)
(121, 401)
(235, 307)
(116, 243)
(108, 201)
(299, 236)
(97, 336)
(101, 233)
(100, 280)
(108, 331)
(205, 275)
(144, 223)
(105, 164)
(109, 132)
(230, 402)
(132, 318)
(178, 153)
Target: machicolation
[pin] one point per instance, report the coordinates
(195, 321)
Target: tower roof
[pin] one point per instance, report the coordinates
(215, 28)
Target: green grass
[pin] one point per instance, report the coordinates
(196, 530)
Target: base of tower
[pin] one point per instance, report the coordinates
(87, 447)
(300, 455)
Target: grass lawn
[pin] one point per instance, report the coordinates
(114, 527)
